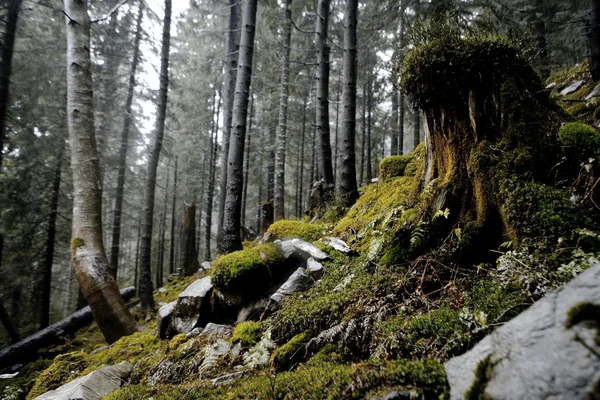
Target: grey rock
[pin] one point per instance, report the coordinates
(551, 85)
(163, 320)
(253, 310)
(301, 248)
(573, 87)
(337, 244)
(228, 377)
(190, 303)
(297, 282)
(223, 331)
(95, 385)
(534, 356)
(594, 93)
(314, 268)
(206, 265)
(193, 333)
(8, 376)
(214, 352)
(162, 290)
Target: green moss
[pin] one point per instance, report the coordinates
(499, 303)
(579, 141)
(285, 229)
(330, 353)
(583, 312)
(65, 368)
(566, 76)
(129, 348)
(483, 374)
(247, 271)
(393, 166)
(248, 333)
(17, 387)
(287, 355)
(76, 243)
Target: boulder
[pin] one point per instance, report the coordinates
(297, 282)
(223, 331)
(95, 385)
(191, 303)
(253, 310)
(163, 320)
(314, 268)
(337, 244)
(535, 355)
(206, 265)
(594, 93)
(301, 248)
(573, 87)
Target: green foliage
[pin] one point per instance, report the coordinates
(246, 270)
(65, 368)
(579, 141)
(393, 166)
(285, 356)
(248, 333)
(285, 229)
(483, 374)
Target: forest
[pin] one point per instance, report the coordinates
(299, 199)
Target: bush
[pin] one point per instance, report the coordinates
(286, 229)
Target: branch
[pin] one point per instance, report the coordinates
(110, 12)
(66, 15)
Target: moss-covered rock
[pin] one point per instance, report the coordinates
(285, 356)
(393, 166)
(247, 333)
(287, 229)
(579, 141)
(65, 368)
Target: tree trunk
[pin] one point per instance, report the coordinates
(348, 187)
(369, 108)
(6, 55)
(147, 220)
(233, 202)
(401, 109)
(363, 137)
(5, 319)
(46, 281)
(88, 258)
(173, 213)
(203, 174)
(594, 38)
(301, 162)
(279, 200)
(160, 264)
(394, 135)
(322, 97)
(211, 181)
(122, 167)
(231, 67)
(417, 128)
(26, 350)
(247, 162)
(188, 258)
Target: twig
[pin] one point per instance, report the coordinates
(110, 12)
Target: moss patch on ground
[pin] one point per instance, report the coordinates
(286, 229)
(248, 333)
(393, 166)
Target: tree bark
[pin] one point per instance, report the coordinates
(5, 319)
(247, 162)
(46, 281)
(363, 136)
(301, 162)
(188, 258)
(594, 38)
(160, 264)
(417, 128)
(369, 171)
(146, 288)
(122, 167)
(231, 222)
(211, 181)
(322, 94)
(395, 131)
(348, 188)
(231, 67)
(88, 258)
(26, 350)
(279, 200)
(173, 213)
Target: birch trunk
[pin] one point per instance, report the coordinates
(231, 222)
(145, 288)
(122, 167)
(247, 162)
(348, 188)
(88, 258)
(279, 199)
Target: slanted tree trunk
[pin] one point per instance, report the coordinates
(594, 38)
(145, 289)
(173, 213)
(46, 279)
(322, 97)
(211, 181)
(188, 258)
(231, 67)
(247, 162)
(348, 188)
(122, 167)
(88, 258)
(233, 202)
(278, 201)
(6, 55)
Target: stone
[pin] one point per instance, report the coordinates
(534, 356)
(214, 352)
(93, 386)
(260, 354)
(227, 378)
(594, 93)
(297, 282)
(314, 268)
(337, 244)
(223, 331)
(551, 85)
(302, 248)
(162, 290)
(190, 304)
(8, 376)
(206, 265)
(252, 310)
(163, 320)
(573, 87)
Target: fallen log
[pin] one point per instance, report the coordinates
(26, 350)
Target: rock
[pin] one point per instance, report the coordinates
(534, 356)
(314, 268)
(162, 290)
(253, 310)
(190, 304)
(594, 93)
(573, 87)
(214, 352)
(551, 85)
(95, 385)
(206, 265)
(227, 378)
(8, 376)
(193, 333)
(302, 248)
(163, 320)
(260, 354)
(223, 331)
(337, 244)
(297, 282)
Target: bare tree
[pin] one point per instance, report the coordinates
(88, 258)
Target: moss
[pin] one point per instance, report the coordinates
(583, 312)
(498, 302)
(287, 355)
(330, 353)
(65, 368)
(248, 333)
(579, 141)
(174, 288)
(566, 76)
(286, 228)
(18, 386)
(247, 271)
(483, 374)
(393, 166)
(76, 243)
(129, 348)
